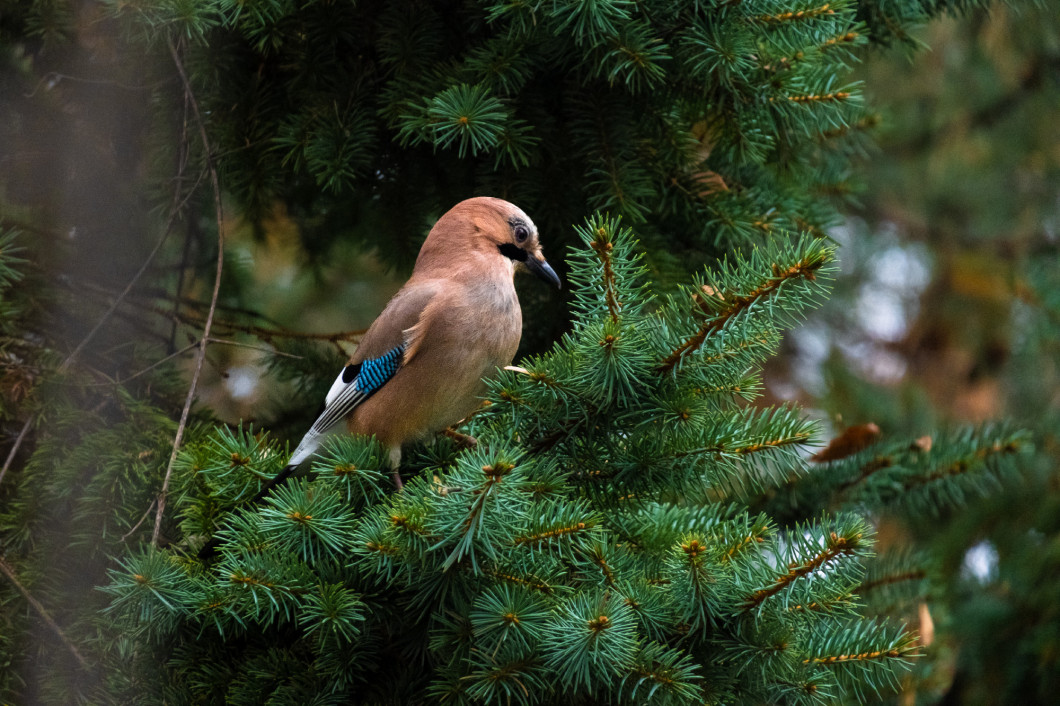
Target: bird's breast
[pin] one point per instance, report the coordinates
(467, 334)
(497, 305)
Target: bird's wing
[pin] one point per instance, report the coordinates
(356, 383)
(380, 353)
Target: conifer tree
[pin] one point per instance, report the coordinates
(630, 526)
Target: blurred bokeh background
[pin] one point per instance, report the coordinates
(947, 312)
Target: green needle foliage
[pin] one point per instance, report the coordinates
(596, 545)
(732, 119)
(918, 478)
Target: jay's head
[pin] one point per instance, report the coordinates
(491, 227)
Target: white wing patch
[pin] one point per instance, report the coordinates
(336, 388)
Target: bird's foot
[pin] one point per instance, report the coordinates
(395, 466)
(463, 440)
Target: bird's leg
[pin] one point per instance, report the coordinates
(467, 442)
(395, 464)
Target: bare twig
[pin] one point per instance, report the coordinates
(186, 254)
(14, 447)
(7, 571)
(267, 334)
(108, 381)
(113, 381)
(52, 79)
(251, 346)
(142, 518)
(213, 298)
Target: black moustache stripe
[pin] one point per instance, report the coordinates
(513, 252)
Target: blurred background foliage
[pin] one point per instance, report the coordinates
(947, 310)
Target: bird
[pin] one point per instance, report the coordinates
(421, 366)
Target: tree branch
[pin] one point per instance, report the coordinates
(7, 571)
(803, 269)
(190, 95)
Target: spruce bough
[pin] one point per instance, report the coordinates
(595, 547)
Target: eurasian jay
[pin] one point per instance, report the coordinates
(419, 368)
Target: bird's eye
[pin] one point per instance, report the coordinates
(521, 233)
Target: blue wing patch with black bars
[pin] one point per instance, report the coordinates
(374, 373)
(362, 381)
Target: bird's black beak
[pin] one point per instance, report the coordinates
(542, 269)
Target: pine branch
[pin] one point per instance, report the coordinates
(836, 546)
(928, 472)
(867, 470)
(603, 251)
(861, 657)
(866, 123)
(724, 308)
(823, 10)
(836, 96)
(868, 586)
(752, 448)
(962, 466)
(863, 654)
(546, 536)
(531, 582)
(840, 601)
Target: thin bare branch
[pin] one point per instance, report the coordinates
(14, 447)
(201, 357)
(251, 346)
(265, 333)
(141, 521)
(7, 571)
